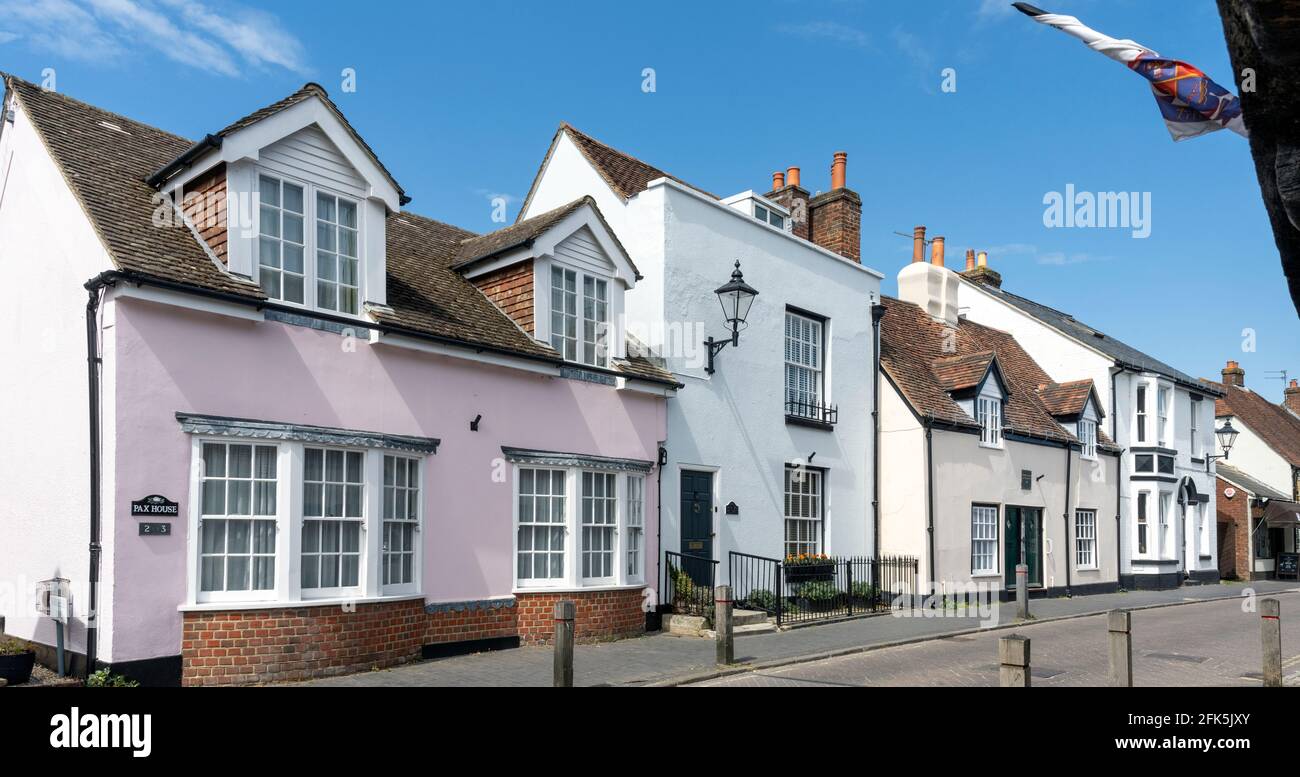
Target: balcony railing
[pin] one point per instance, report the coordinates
(811, 413)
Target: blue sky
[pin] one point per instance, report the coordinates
(461, 99)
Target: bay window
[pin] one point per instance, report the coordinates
(591, 329)
(318, 268)
(1162, 417)
(306, 515)
(576, 526)
(1142, 523)
(1166, 542)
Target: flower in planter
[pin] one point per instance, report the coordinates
(807, 558)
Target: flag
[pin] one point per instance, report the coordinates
(1190, 103)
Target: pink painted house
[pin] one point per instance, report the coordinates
(318, 433)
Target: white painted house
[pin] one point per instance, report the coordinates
(987, 462)
(1161, 417)
(771, 452)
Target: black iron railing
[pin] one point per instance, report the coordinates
(836, 587)
(688, 584)
(827, 415)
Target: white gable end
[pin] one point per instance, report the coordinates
(581, 250)
(310, 154)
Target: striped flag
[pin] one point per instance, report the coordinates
(1189, 101)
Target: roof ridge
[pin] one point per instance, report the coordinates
(10, 78)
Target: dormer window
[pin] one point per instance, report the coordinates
(1088, 437)
(989, 415)
(288, 256)
(591, 328)
(770, 216)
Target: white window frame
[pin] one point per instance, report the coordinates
(985, 523)
(805, 360)
(1193, 424)
(310, 259)
(412, 492)
(810, 484)
(280, 239)
(593, 333)
(634, 540)
(290, 469)
(988, 412)
(335, 591)
(572, 525)
(1085, 539)
(1165, 506)
(199, 518)
(1163, 397)
(566, 478)
(591, 525)
(1140, 405)
(1088, 438)
(1142, 525)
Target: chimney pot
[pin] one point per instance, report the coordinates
(792, 176)
(778, 180)
(839, 169)
(936, 253)
(984, 259)
(970, 259)
(918, 244)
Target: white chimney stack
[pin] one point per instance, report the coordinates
(933, 288)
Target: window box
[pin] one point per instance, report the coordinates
(809, 569)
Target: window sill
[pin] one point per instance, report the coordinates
(276, 604)
(1087, 569)
(984, 575)
(811, 423)
(569, 589)
(991, 447)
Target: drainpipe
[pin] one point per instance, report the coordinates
(94, 361)
(1119, 479)
(661, 455)
(877, 313)
(929, 496)
(1069, 463)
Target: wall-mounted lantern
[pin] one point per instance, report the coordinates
(1227, 437)
(736, 296)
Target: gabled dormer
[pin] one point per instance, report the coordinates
(292, 198)
(561, 277)
(1077, 408)
(976, 383)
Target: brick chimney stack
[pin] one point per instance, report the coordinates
(1234, 375)
(1292, 397)
(981, 272)
(835, 217)
(787, 193)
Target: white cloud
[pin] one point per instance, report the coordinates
(226, 42)
(8, 37)
(990, 10)
(1060, 258)
(833, 31)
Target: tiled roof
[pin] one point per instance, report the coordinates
(1273, 423)
(1123, 354)
(1066, 399)
(1241, 479)
(105, 169)
(626, 175)
(912, 354)
(959, 373)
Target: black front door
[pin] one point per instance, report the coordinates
(697, 523)
(1023, 543)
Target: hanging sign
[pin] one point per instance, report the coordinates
(154, 505)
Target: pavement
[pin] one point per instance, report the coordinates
(662, 659)
(1206, 644)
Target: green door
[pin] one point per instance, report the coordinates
(1024, 535)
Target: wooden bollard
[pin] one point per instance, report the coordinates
(1119, 629)
(726, 639)
(1013, 661)
(565, 611)
(1270, 627)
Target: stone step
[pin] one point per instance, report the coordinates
(747, 617)
(766, 627)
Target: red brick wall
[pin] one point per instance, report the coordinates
(1234, 560)
(795, 200)
(601, 615)
(297, 643)
(511, 288)
(204, 203)
(835, 222)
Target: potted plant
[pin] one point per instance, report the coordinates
(16, 661)
(864, 595)
(809, 566)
